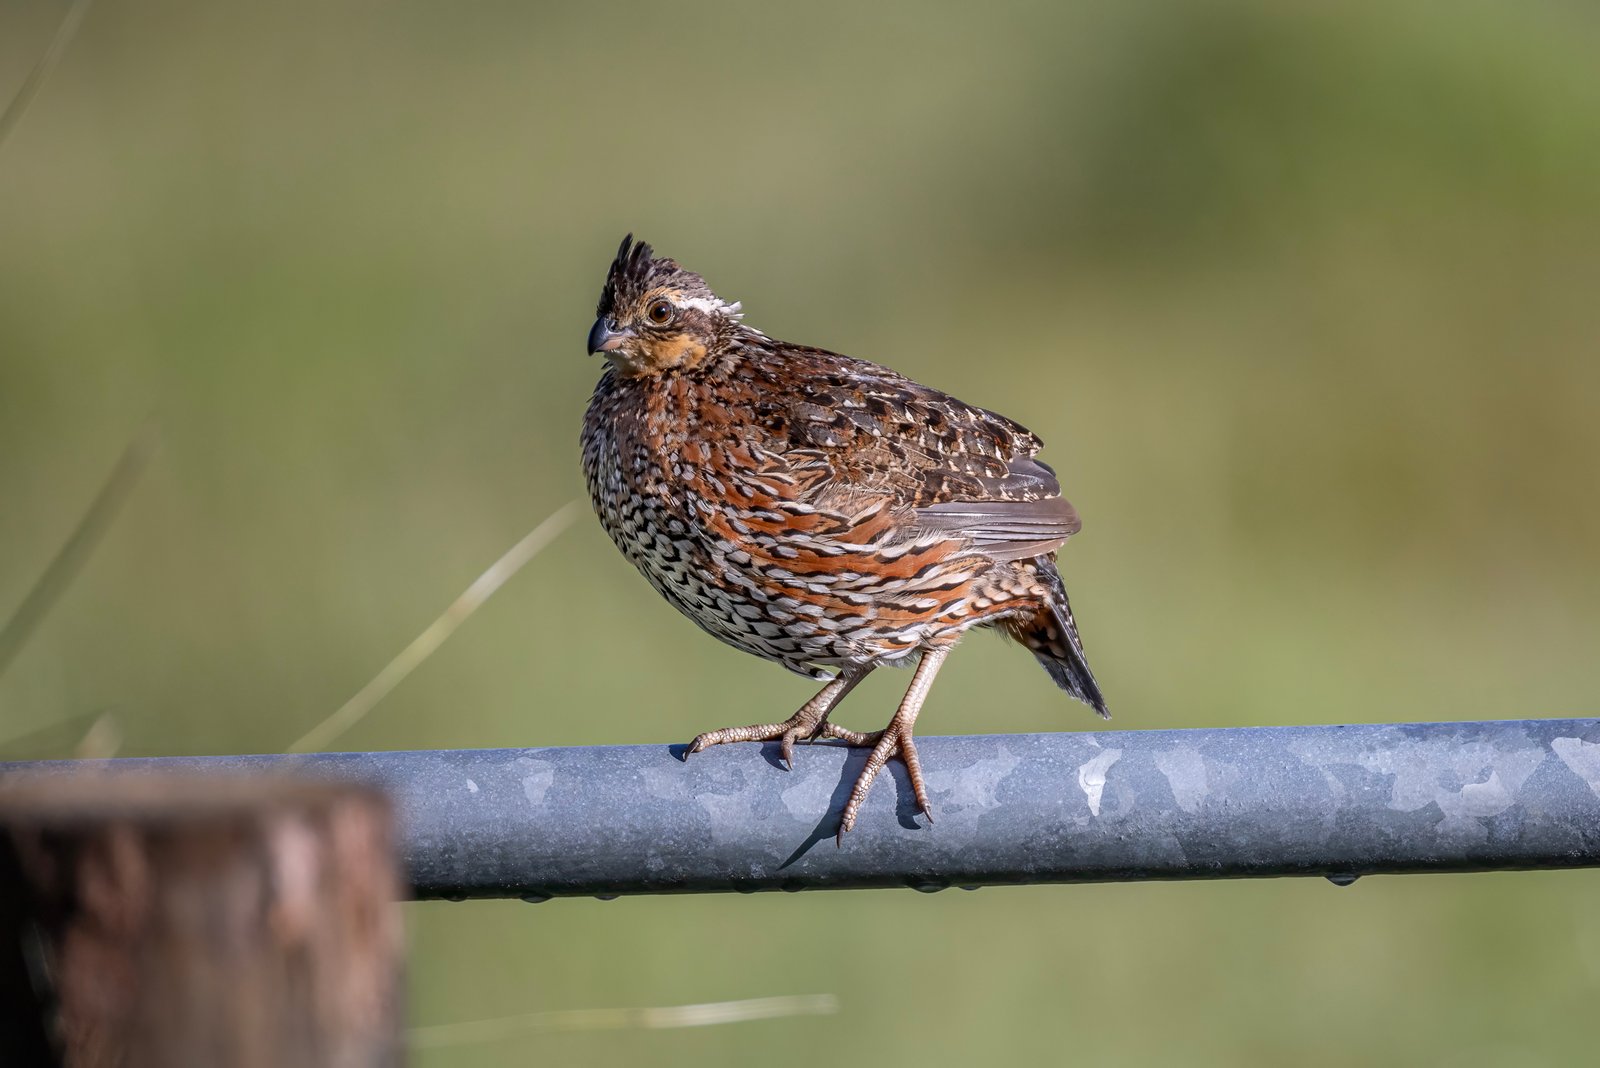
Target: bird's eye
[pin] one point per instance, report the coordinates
(660, 312)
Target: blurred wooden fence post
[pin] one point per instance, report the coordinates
(167, 921)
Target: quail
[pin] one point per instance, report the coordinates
(817, 510)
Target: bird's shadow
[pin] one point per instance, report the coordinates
(855, 759)
(905, 806)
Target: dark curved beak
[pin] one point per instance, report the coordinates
(604, 336)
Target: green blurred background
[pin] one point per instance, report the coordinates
(1303, 299)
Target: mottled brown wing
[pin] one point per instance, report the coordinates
(956, 469)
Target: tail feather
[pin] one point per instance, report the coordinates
(1052, 636)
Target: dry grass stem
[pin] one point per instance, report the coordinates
(434, 636)
(707, 1014)
(79, 546)
(41, 70)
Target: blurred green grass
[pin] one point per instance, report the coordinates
(1301, 299)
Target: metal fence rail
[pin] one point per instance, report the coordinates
(1331, 801)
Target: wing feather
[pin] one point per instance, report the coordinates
(1005, 530)
(856, 429)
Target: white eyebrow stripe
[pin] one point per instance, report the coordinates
(710, 305)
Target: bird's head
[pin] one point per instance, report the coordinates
(655, 317)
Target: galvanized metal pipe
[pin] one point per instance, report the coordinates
(1193, 804)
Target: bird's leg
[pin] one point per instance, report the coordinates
(895, 738)
(800, 726)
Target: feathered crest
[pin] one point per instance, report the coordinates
(627, 270)
(636, 270)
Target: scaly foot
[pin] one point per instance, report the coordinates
(894, 740)
(886, 744)
(803, 726)
(797, 727)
